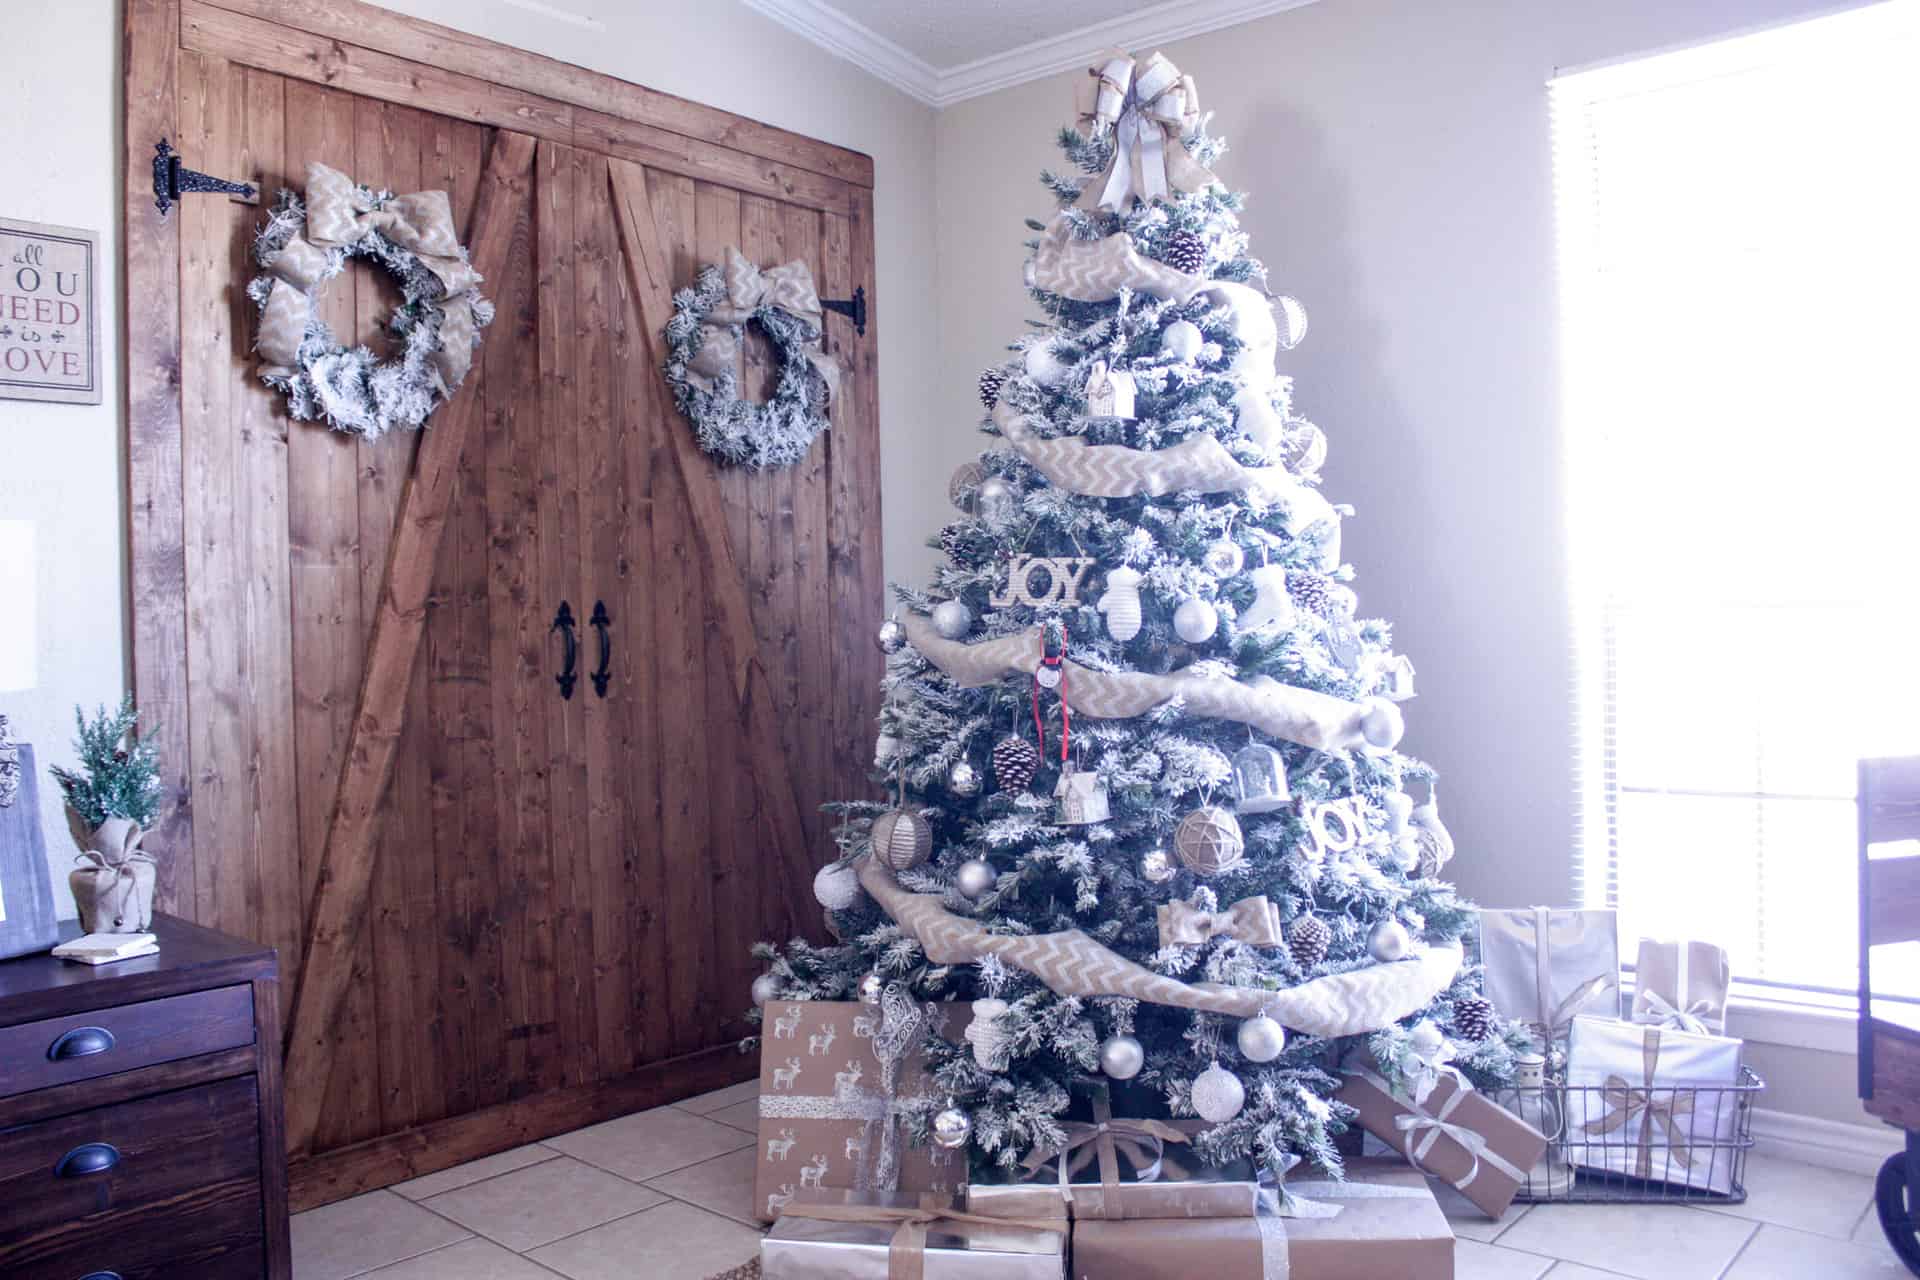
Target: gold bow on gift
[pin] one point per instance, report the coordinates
(1623, 1102)
(907, 1251)
(1150, 107)
(341, 213)
(1102, 1141)
(1254, 921)
(787, 288)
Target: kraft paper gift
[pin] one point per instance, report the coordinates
(1456, 1134)
(1389, 1225)
(1543, 966)
(825, 1119)
(1636, 1107)
(1682, 985)
(878, 1235)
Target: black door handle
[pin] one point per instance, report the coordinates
(87, 1158)
(103, 1275)
(563, 623)
(81, 1042)
(601, 623)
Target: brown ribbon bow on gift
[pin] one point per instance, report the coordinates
(1254, 921)
(907, 1251)
(1101, 1141)
(1150, 107)
(1623, 1102)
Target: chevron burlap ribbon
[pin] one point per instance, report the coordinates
(1200, 464)
(1097, 270)
(787, 288)
(1254, 921)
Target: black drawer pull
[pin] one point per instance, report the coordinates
(81, 1042)
(86, 1159)
(103, 1275)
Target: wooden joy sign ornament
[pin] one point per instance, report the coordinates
(1063, 577)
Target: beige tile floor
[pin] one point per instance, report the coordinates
(667, 1194)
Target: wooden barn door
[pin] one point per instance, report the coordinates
(501, 912)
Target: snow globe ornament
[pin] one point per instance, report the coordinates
(1209, 841)
(1272, 606)
(1218, 1095)
(952, 619)
(1109, 393)
(1182, 340)
(1259, 779)
(1121, 603)
(1083, 799)
(1195, 620)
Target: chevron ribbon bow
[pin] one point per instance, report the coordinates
(789, 287)
(1254, 921)
(1623, 1103)
(1150, 107)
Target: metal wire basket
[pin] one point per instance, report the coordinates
(1685, 1144)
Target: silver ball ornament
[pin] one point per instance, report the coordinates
(952, 619)
(1218, 1095)
(836, 886)
(1182, 340)
(1260, 1038)
(1044, 366)
(891, 636)
(765, 987)
(1224, 558)
(1121, 1057)
(1426, 1038)
(963, 779)
(975, 877)
(952, 1128)
(997, 498)
(1381, 723)
(1196, 620)
(1389, 941)
(870, 988)
(1156, 866)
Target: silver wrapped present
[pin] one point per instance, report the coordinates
(1543, 966)
(874, 1235)
(1652, 1103)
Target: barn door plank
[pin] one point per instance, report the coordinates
(340, 907)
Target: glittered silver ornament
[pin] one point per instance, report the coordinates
(1121, 1057)
(765, 987)
(952, 619)
(1209, 841)
(1156, 866)
(1182, 340)
(1218, 1095)
(1381, 723)
(1260, 1038)
(1389, 941)
(871, 988)
(1044, 365)
(1195, 620)
(1224, 558)
(902, 840)
(997, 498)
(963, 779)
(836, 886)
(974, 877)
(952, 1128)
(1015, 761)
(891, 636)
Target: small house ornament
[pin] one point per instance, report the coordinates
(1398, 678)
(1259, 779)
(1110, 394)
(1082, 797)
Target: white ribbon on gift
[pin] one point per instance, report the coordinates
(1424, 1128)
(1660, 1013)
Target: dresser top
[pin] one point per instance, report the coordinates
(190, 959)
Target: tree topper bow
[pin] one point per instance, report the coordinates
(1150, 107)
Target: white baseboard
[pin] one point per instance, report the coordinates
(1854, 1148)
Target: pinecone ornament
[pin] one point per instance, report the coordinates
(1184, 251)
(1308, 941)
(1473, 1017)
(990, 383)
(1015, 761)
(1311, 591)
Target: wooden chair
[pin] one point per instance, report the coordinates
(1889, 802)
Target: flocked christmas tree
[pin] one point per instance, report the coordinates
(1147, 808)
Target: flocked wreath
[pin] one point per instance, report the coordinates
(703, 344)
(308, 242)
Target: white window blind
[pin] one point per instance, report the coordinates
(1739, 239)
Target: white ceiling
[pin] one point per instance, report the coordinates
(944, 51)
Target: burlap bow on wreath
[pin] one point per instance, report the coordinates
(306, 243)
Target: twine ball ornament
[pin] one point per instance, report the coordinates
(902, 840)
(765, 987)
(891, 637)
(1184, 251)
(1044, 365)
(1260, 1038)
(974, 877)
(1381, 723)
(997, 498)
(1121, 1057)
(1156, 867)
(952, 619)
(963, 780)
(1218, 1095)
(963, 488)
(1182, 340)
(871, 988)
(1209, 841)
(1196, 620)
(1015, 761)
(1223, 558)
(1389, 941)
(1307, 941)
(990, 383)
(836, 886)
(1473, 1017)
(951, 1128)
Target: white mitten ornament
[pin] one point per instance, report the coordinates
(1121, 603)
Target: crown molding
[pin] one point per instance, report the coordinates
(938, 87)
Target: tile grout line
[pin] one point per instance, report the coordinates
(551, 1156)
(574, 1235)
(1741, 1252)
(455, 1244)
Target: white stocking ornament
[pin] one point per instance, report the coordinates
(1272, 606)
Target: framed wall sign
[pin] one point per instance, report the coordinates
(49, 313)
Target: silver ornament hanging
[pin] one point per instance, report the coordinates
(891, 636)
(1224, 558)
(1195, 620)
(1260, 1038)
(997, 498)
(1121, 1057)
(1156, 866)
(963, 779)
(1218, 1095)
(1259, 779)
(1209, 841)
(765, 987)
(1182, 340)
(952, 619)
(1381, 723)
(974, 877)
(871, 988)
(902, 840)
(951, 1128)
(1389, 941)
(1044, 365)
(836, 886)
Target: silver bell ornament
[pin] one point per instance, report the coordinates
(1259, 779)
(1272, 606)
(963, 780)
(1182, 340)
(1045, 366)
(871, 988)
(974, 877)
(1389, 941)
(836, 886)
(952, 619)
(891, 636)
(1195, 620)
(1156, 866)
(1223, 558)
(1260, 1038)
(997, 498)
(1218, 1095)
(1121, 1057)
(765, 987)
(951, 1128)
(1121, 603)
(1381, 723)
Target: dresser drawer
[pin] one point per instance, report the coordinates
(127, 1188)
(40, 1055)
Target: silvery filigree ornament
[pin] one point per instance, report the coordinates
(9, 765)
(1082, 799)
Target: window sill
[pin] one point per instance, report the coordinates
(1829, 1024)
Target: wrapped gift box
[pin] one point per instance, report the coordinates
(1544, 966)
(1388, 1226)
(822, 1109)
(863, 1235)
(1636, 1105)
(1104, 1171)
(1682, 985)
(1455, 1133)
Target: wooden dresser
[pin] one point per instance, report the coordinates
(140, 1114)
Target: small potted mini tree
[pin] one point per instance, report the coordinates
(111, 798)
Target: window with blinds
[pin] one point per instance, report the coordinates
(1739, 241)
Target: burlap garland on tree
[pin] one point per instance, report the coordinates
(1200, 464)
(1073, 964)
